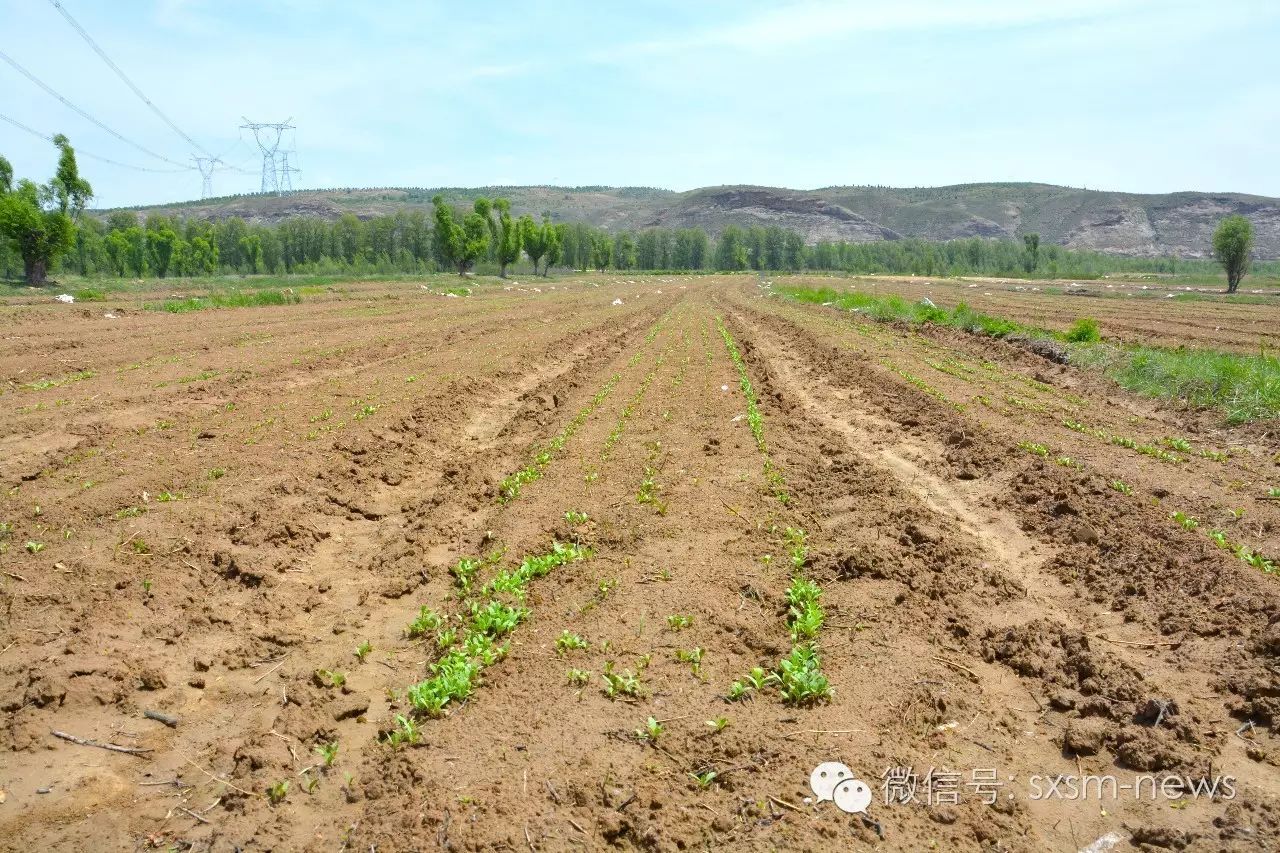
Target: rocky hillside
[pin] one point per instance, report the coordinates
(1120, 223)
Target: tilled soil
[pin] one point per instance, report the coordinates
(228, 504)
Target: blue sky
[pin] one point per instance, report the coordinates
(1137, 95)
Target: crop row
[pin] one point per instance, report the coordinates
(509, 488)
(475, 638)
(798, 677)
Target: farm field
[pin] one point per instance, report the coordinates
(607, 561)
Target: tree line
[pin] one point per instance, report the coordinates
(43, 230)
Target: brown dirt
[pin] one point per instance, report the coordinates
(987, 608)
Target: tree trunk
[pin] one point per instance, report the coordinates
(1233, 281)
(36, 270)
(502, 273)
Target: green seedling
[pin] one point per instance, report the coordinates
(1273, 492)
(651, 731)
(1122, 487)
(34, 547)
(693, 657)
(146, 586)
(1236, 514)
(678, 621)
(704, 779)
(1034, 447)
(464, 571)
(799, 677)
(446, 637)
(406, 731)
(796, 547)
(424, 623)
(1177, 444)
(578, 677)
(568, 641)
(738, 691)
(718, 725)
(575, 517)
(140, 547)
(328, 753)
(804, 615)
(616, 684)
(217, 473)
(362, 651)
(312, 783)
(1187, 522)
(277, 792)
(330, 678)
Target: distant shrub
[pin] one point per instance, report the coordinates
(90, 294)
(1084, 331)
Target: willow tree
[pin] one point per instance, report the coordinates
(1232, 243)
(41, 220)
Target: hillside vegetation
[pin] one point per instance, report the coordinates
(1178, 224)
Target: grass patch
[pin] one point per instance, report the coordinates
(1246, 387)
(234, 299)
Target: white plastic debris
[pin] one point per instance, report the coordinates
(111, 316)
(617, 302)
(65, 297)
(724, 387)
(928, 303)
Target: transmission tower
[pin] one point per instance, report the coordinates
(206, 165)
(286, 173)
(267, 135)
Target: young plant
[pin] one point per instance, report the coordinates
(362, 651)
(34, 547)
(693, 657)
(1034, 447)
(799, 677)
(718, 725)
(578, 677)
(330, 678)
(406, 731)
(616, 684)
(1122, 487)
(575, 517)
(804, 615)
(464, 571)
(424, 623)
(568, 641)
(277, 792)
(328, 753)
(704, 779)
(651, 731)
(678, 621)
(1187, 522)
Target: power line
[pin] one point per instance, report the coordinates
(36, 80)
(49, 138)
(76, 26)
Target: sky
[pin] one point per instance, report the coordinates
(1133, 95)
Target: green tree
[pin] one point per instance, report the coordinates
(556, 236)
(161, 246)
(251, 252)
(1232, 243)
(731, 249)
(534, 239)
(506, 235)
(40, 219)
(624, 252)
(449, 235)
(1030, 253)
(601, 251)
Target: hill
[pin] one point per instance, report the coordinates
(1113, 222)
